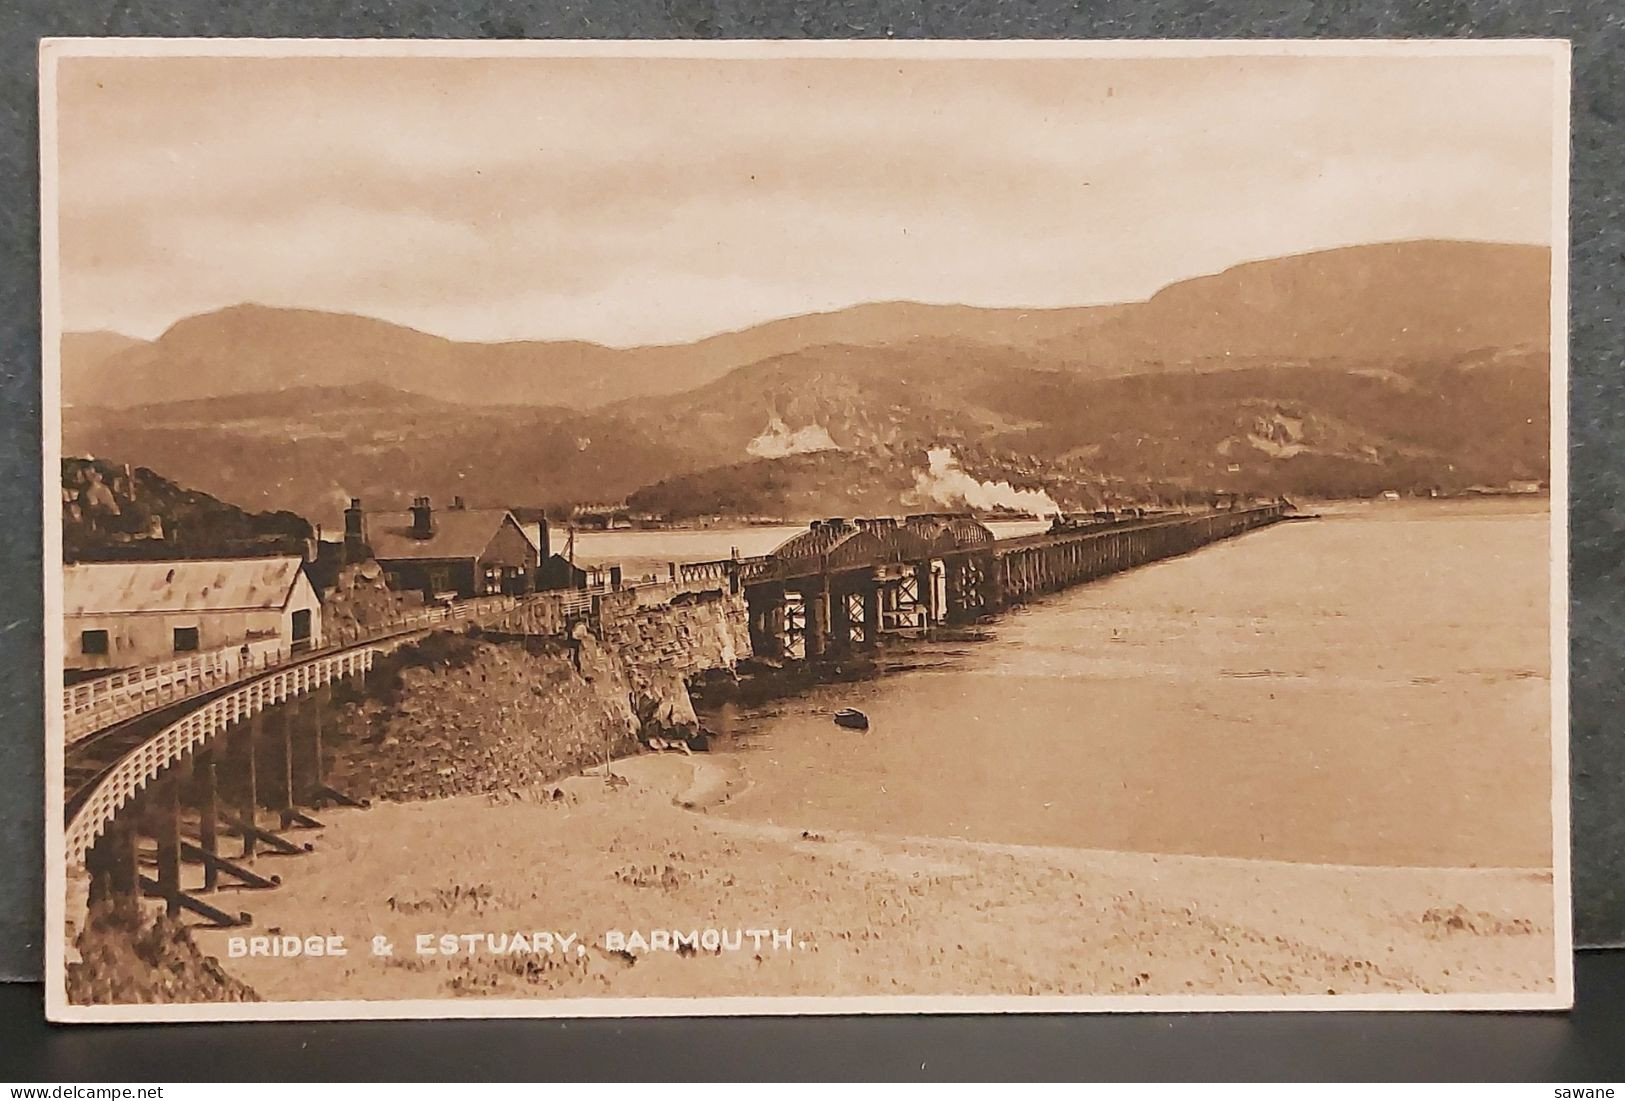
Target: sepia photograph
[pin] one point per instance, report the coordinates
(691, 528)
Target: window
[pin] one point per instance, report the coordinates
(185, 639)
(93, 642)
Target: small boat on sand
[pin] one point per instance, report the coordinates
(852, 719)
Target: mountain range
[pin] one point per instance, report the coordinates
(1407, 365)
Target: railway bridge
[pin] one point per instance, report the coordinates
(190, 754)
(162, 766)
(846, 583)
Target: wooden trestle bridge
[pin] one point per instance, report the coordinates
(186, 754)
(846, 583)
(187, 751)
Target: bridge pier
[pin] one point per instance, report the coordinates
(318, 759)
(993, 589)
(248, 740)
(206, 789)
(869, 593)
(968, 578)
(285, 718)
(930, 580)
(815, 601)
(765, 604)
(164, 820)
(111, 863)
(837, 598)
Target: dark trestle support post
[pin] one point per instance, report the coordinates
(166, 823)
(208, 814)
(111, 862)
(318, 763)
(839, 638)
(766, 603)
(815, 600)
(287, 717)
(249, 740)
(925, 590)
(126, 869)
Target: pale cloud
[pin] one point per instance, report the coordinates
(632, 201)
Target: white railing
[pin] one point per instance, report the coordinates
(94, 705)
(97, 704)
(573, 601)
(132, 772)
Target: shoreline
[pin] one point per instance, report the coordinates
(872, 914)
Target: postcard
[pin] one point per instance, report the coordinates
(668, 528)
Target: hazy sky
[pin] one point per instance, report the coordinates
(645, 200)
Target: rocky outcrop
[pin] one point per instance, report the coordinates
(110, 510)
(455, 715)
(464, 713)
(664, 646)
(127, 955)
(360, 599)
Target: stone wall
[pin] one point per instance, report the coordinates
(691, 633)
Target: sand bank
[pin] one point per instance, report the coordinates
(858, 914)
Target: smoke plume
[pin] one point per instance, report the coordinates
(946, 482)
(777, 441)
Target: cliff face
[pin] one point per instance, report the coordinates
(457, 714)
(663, 646)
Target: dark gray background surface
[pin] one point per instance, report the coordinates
(1597, 28)
(1573, 1048)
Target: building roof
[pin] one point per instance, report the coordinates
(192, 585)
(458, 533)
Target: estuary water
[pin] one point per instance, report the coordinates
(1373, 687)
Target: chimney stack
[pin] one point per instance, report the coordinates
(422, 518)
(457, 504)
(355, 527)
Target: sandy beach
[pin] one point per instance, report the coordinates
(858, 914)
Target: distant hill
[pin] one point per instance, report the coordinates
(1400, 299)
(1348, 372)
(1329, 431)
(1372, 303)
(826, 483)
(1303, 430)
(254, 349)
(312, 448)
(84, 356)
